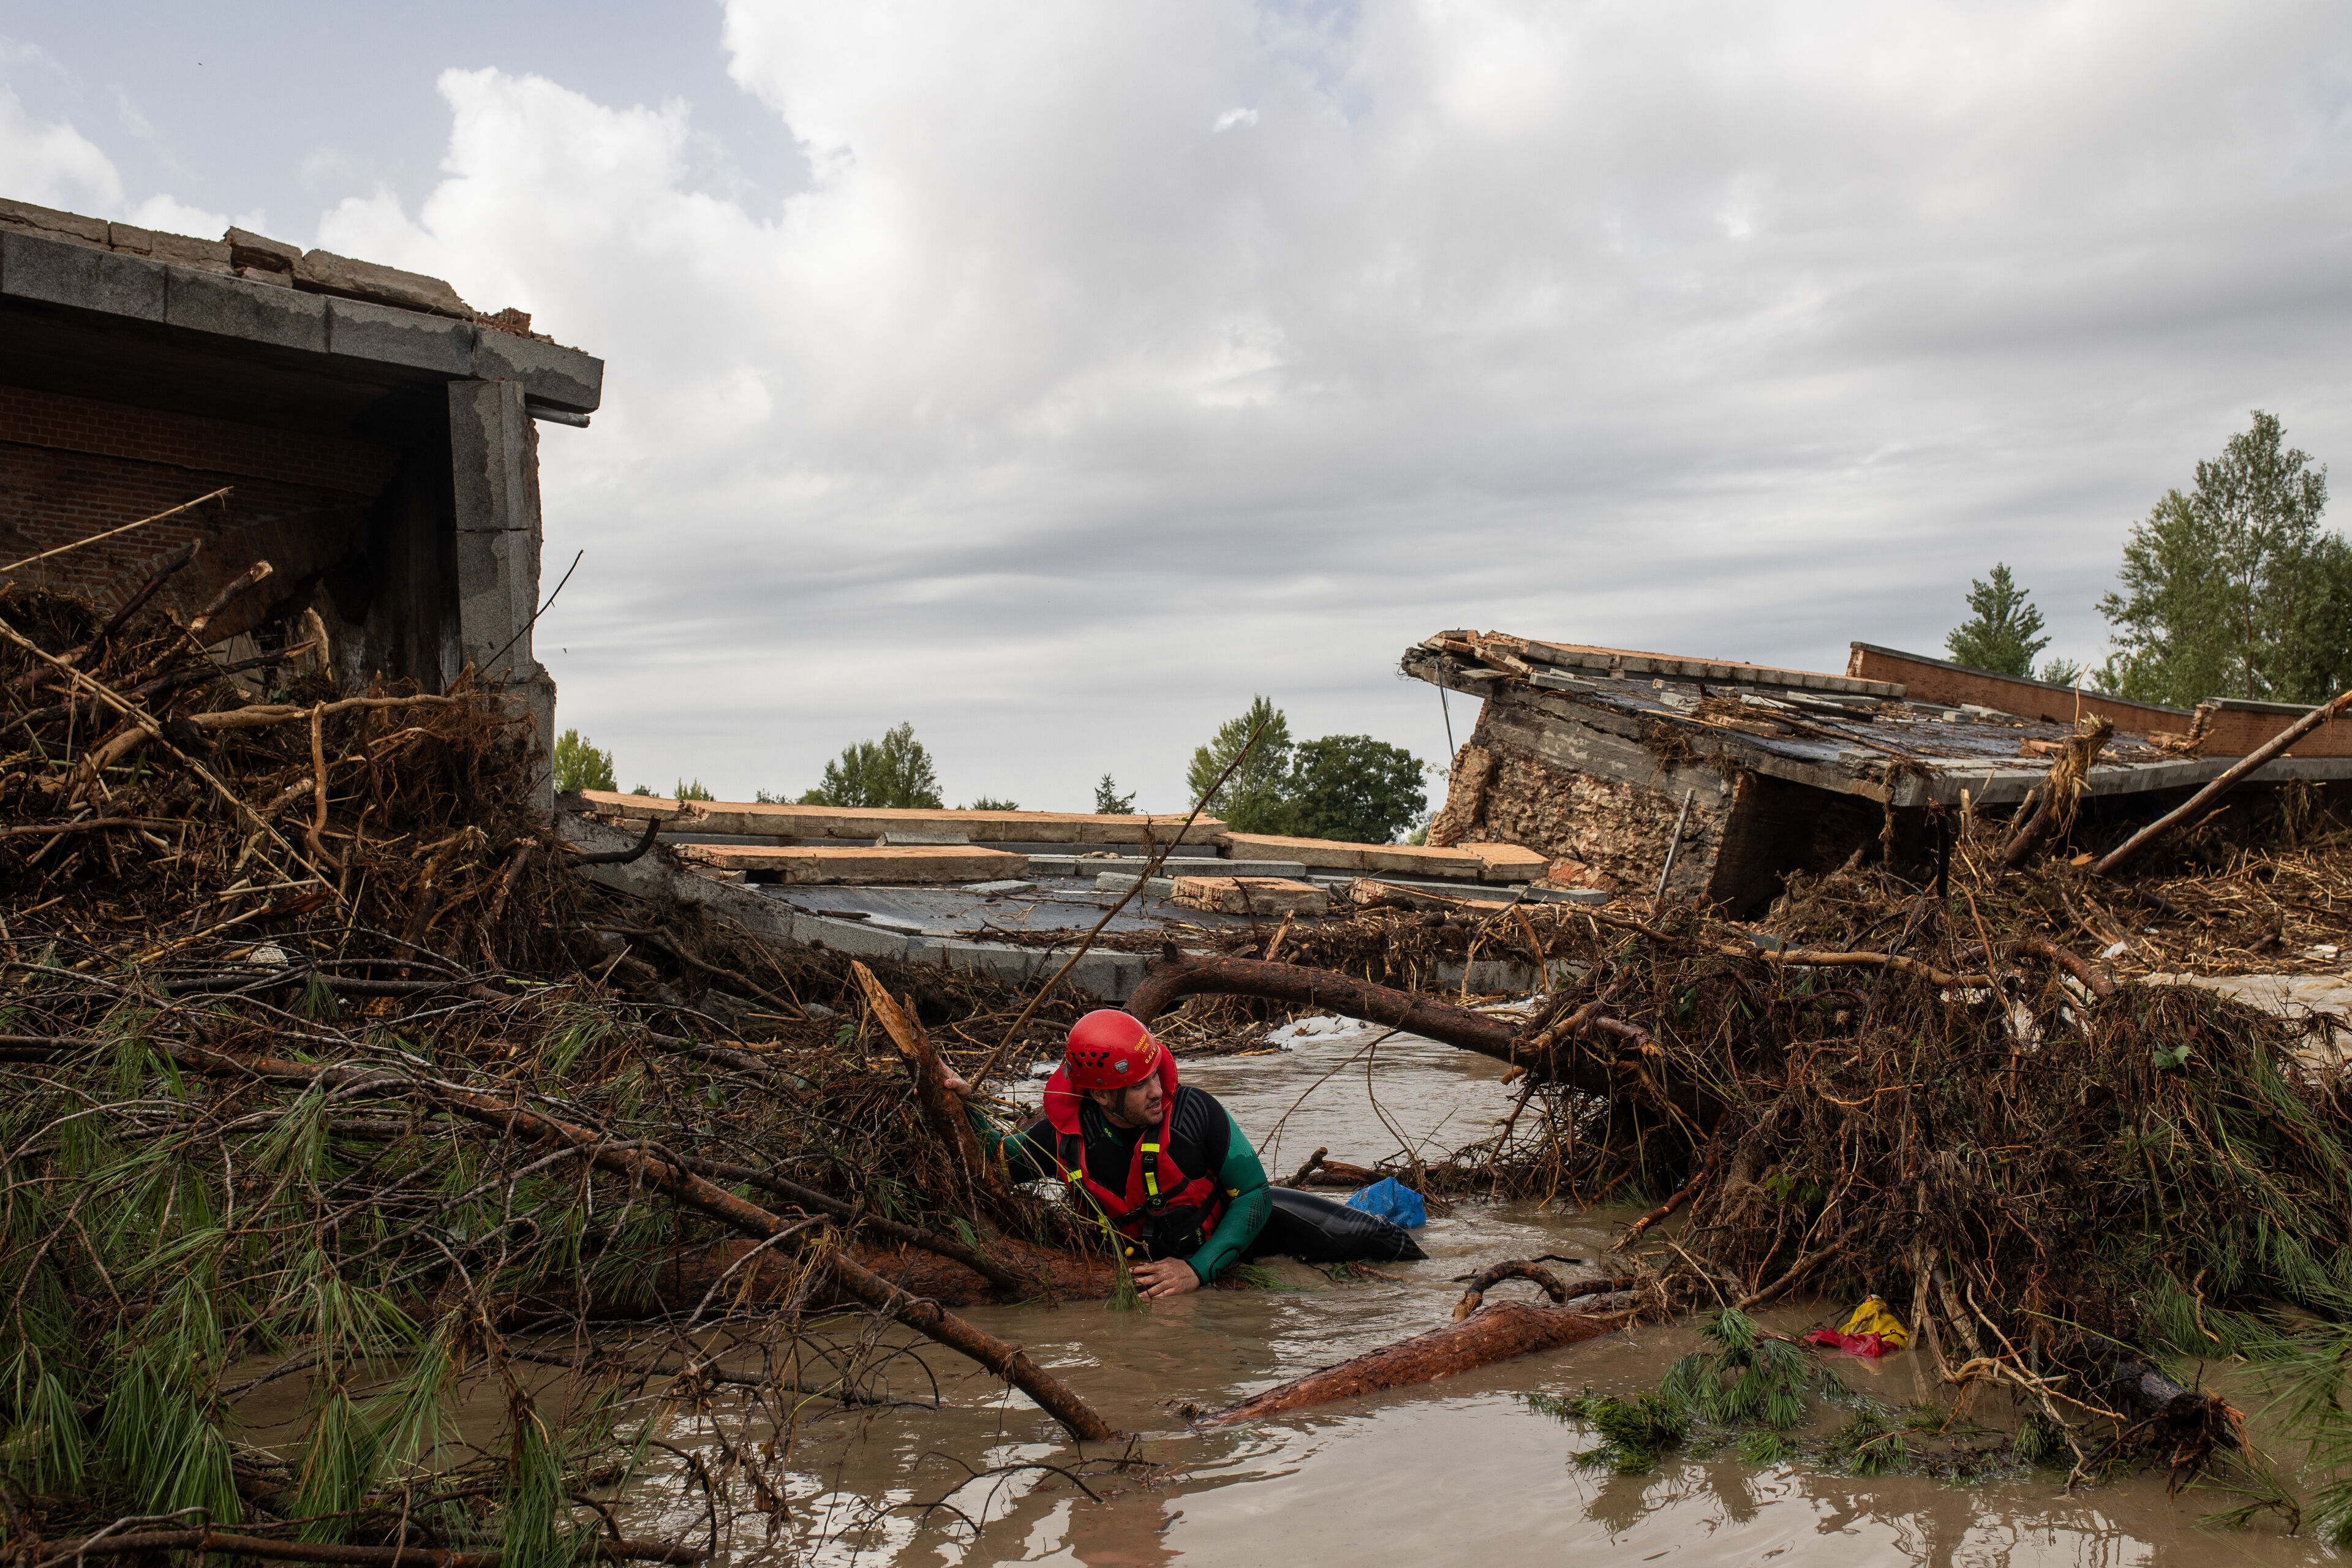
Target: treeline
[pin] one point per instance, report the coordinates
(2229, 588)
(1348, 787)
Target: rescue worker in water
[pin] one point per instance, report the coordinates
(1163, 1164)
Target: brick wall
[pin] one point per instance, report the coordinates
(71, 467)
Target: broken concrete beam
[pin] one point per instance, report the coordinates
(864, 864)
(867, 825)
(324, 272)
(1466, 862)
(1249, 896)
(1507, 862)
(891, 840)
(717, 874)
(50, 221)
(259, 252)
(1120, 881)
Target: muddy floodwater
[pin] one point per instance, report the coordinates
(1456, 1472)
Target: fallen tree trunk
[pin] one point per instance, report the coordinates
(1500, 1331)
(2323, 714)
(1175, 975)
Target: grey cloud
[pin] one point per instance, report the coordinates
(1051, 418)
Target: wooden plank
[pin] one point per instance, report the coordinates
(1631, 662)
(1249, 896)
(918, 863)
(755, 819)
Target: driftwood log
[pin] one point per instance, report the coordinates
(1497, 1331)
(2325, 713)
(1175, 975)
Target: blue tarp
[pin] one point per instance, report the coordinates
(1392, 1201)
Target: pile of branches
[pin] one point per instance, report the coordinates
(2050, 1172)
(335, 1100)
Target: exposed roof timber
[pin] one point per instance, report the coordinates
(1619, 663)
(1826, 758)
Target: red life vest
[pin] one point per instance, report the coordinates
(1170, 1212)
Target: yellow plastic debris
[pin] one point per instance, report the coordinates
(1873, 1318)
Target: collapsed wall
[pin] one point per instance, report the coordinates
(1603, 810)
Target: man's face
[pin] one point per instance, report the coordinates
(1137, 1106)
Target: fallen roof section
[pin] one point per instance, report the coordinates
(1719, 786)
(2218, 727)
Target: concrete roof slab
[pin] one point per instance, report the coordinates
(391, 336)
(549, 372)
(254, 313)
(59, 272)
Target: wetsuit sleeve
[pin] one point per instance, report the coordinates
(1241, 1180)
(1028, 1154)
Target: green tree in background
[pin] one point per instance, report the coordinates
(2061, 672)
(1348, 787)
(1255, 799)
(991, 802)
(1109, 802)
(1354, 788)
(579, 765)
(1998, 636)
(2234, 589)
(894, 771)
(694, 790)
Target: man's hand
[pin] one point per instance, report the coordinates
(953, 1082)
(1169, 1277)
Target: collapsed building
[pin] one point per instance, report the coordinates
(359, 429)
(1640, 772)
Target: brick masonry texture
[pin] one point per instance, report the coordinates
(71, 467)
(190, 441)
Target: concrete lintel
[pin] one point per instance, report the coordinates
(253, 312)
(358, 330)
(60, 272)
(550, 373)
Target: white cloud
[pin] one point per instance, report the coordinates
(1056, 421)
(51, 163)
(172, 215)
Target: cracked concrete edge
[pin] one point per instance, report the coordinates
(1105, 977)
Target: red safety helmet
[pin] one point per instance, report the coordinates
(1110, 1049)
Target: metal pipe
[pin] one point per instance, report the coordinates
(1673, 844)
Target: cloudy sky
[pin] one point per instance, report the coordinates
(1057, 376)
